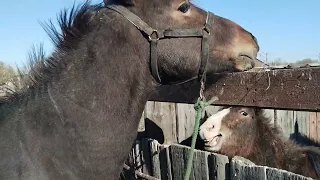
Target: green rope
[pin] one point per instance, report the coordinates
(200, 108)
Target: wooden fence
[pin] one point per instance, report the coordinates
(168, 124)
(169, 163)
(171, 123)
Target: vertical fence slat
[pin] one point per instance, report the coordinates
(219, 168)
(154, 153)
(242, 168)
(318, 127)
(200, 165)
(276, 174)
(165, 163)
(185, 121)
(178, 162)
(273, 173)
(269, 113)
(179, 158)
(141, 127)
(137, 157)
(145, 156)
(164, 116)
(313, 125)
(302, 122)
(285, 121)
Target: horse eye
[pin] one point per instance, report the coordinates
(244, 113)
(184, 7)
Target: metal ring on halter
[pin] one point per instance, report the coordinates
(156, 33)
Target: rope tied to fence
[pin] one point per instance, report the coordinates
(199, 107)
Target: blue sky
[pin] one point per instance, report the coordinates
(286, 29)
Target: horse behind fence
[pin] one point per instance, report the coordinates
(246, 132)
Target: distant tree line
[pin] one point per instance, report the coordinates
(7, 73)
(302, 62)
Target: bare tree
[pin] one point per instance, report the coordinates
(7, 73)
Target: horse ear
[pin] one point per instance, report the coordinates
(206, 115)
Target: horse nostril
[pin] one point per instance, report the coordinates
(210, 128)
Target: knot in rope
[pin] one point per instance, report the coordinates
(199, 105)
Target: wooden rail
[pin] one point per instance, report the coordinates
(294, 89)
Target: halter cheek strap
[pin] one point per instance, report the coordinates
(155, 35)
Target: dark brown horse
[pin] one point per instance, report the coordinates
(77, 112)
(246, 132)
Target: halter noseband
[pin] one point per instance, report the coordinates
(155, 35)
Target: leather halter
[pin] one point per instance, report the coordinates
(155, 35)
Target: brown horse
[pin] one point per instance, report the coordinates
(77, 112)
(246, 132)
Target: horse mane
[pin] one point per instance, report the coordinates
(73, 25)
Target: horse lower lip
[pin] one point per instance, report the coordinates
(214, 141)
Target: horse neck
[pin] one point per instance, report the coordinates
(88, 115)
(107, 104)
(272, 149)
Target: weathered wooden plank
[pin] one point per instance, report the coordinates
(179, 158)
(185, 121)
(295, 89)
(318, 127)
(200, 165)
(242, 168)
(165, 162)
(219, 168)
(146, 156)
(141, 126)
(302, 122)
(178, 162)
(137, 157)
(163, 115)
(285, 121)
(155, 159)
(212, 109)
(269, 113)
(313, 125)
(301, 131)
(278, 174)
